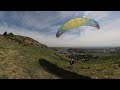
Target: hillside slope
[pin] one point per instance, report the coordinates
(24, 58)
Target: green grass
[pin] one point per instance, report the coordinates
(19, 60)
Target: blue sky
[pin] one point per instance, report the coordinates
(43, 25)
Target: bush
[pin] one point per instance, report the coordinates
(5, 33)
(11, 34)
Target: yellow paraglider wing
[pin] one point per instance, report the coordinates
(76, 22)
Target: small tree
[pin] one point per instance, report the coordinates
(11, 34)
(5, 33)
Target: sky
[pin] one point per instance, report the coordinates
(43, 26)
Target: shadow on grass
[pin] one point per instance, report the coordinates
(51, 68)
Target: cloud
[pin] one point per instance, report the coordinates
(43, 25)
(108, 35)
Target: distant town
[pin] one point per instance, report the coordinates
(86, 54)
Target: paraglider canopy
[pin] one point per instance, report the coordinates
(77, 22)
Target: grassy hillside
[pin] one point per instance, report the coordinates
(24, 58)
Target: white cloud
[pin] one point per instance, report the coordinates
(108, 35)
(97, 14)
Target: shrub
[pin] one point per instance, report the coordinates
(5, 33)
(11, 34)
